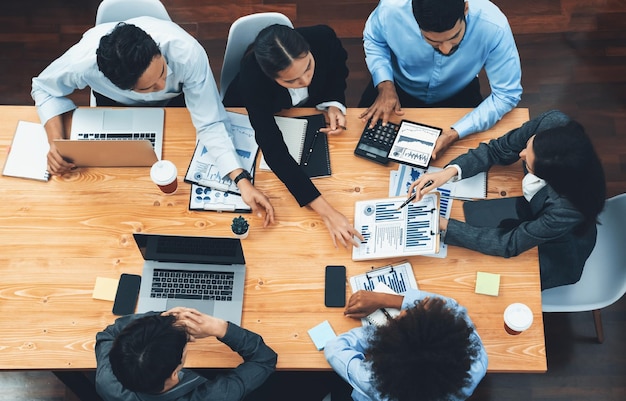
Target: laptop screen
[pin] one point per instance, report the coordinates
(190, 249)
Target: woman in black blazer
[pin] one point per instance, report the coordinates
(564, 186)
(285, 68)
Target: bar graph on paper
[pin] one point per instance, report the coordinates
(398, 278)
(399, 182)
(388, 232)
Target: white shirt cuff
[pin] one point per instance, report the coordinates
(324, 106)
(459, 173)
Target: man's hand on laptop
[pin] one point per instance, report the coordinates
(198, 324)
(55, 128)
(56, 164)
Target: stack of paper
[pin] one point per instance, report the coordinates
(28, 154)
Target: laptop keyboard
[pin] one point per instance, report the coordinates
(119, 136)
(184, 284)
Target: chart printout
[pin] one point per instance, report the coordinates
(389, 232)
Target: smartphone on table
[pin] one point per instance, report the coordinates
(335, 286)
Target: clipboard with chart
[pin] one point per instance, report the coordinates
(207, 198)
(389, 232)
(202, 169)
(390, 279)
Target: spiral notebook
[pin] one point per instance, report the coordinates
(294, 133)
(28, 154)
(316, 155)
(306, 144)
(474, 187)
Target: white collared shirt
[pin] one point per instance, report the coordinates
(188, 71)
(301, 95)
(531, 184)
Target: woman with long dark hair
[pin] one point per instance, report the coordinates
(285, 68)
(564, 186)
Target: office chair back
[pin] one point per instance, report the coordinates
(603, 281)
(121, 10)
(241, 34)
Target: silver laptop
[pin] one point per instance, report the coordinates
(205, 273)
(114, 137)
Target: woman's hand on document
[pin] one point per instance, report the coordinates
(427, 182)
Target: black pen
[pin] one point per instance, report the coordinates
(412, 197)
(308, 155)
(387, 315)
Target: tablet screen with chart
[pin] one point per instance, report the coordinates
(414, 144)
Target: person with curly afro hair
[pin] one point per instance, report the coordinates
(430, 351)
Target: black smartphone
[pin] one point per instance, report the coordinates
(126, 295)
(335, 286)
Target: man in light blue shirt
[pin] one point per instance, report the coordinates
(428, 53)
(431, 351)
(143, 62)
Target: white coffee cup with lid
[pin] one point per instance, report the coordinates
(165, 175)
(517, 318)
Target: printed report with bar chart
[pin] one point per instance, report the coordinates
(391, 279)
(389, 232)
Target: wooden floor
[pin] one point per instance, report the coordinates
(573, 58)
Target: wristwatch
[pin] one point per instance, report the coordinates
(241, 176)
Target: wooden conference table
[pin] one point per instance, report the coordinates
(57, 237)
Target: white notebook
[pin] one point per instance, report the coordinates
(28, 154)
(471, 188)
(294, 133)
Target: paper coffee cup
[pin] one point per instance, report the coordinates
(164, 175)
(517, 318)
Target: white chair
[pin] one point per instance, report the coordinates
(240, 35)
(603, 281)
(121, 10)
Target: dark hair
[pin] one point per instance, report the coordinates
(124, 54)
(438, 15)
(276, 46)
(425, 354)
(146, 352)
(566, 160)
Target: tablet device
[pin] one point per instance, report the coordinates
(497, 213)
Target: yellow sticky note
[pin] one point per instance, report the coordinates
(487, 283)
(105, 288)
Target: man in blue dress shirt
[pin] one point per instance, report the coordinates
(428, 53)
(431, 351)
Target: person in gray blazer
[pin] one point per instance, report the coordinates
(564, 186)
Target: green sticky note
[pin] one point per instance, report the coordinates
(487, 283)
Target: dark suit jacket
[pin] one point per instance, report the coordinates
(263, 97)
(562, 254)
